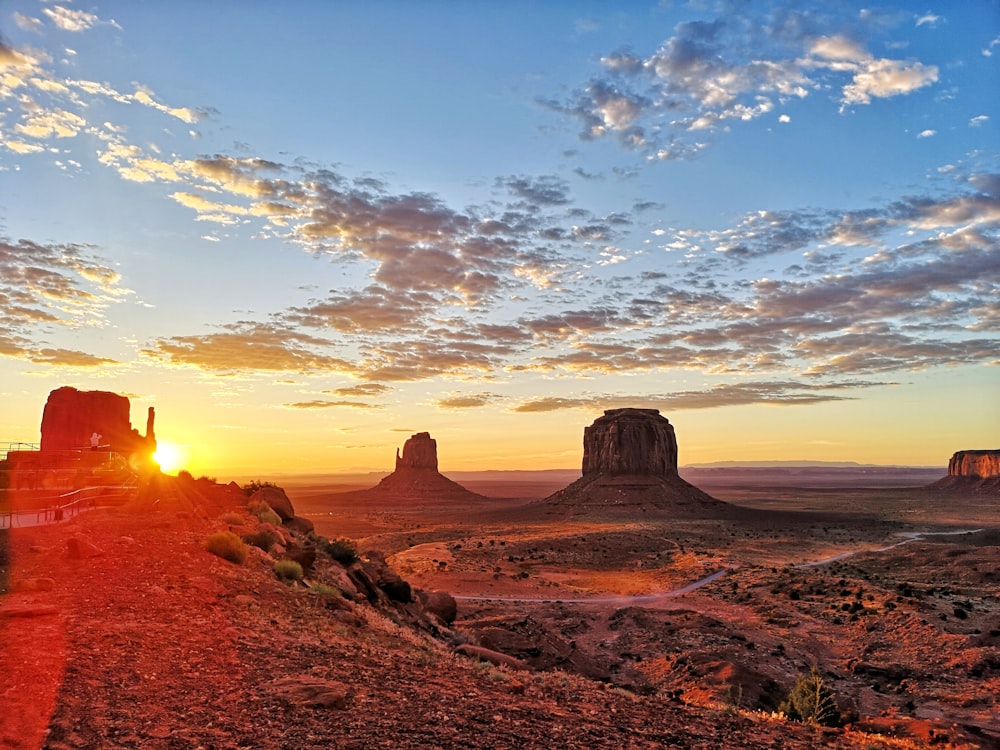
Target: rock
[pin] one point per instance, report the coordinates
(630, 441)
(35, 584)
(312, 692)
(441, 604)
(72, 417)
(417, 477)
(493, 657)
(27, 610)
(630, 468)
(299, 525)
(304, 556)
(81, 548)
(979, 464)
(276, 499)
(419, 452)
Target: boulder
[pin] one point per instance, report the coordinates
(81, 548)
(277, 500)
(441, 604)
(493, 657)
(304, 556)
(312, 692)
(299, 525)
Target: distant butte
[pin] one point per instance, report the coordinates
(630, 466)
(976, 471)
(417, 476)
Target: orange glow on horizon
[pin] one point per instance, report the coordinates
(170, 456)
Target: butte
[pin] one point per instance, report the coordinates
(630, 469)
(416, 477)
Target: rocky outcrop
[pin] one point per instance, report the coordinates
(417, 477)
(419, 452)
(978, 464)
(74, 419)
(630, 441)
(630, 468)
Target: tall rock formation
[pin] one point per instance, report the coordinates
(417, 477)
(978, 464)
(971, 472)
(72, 419)
(630, 468)
(630, 441)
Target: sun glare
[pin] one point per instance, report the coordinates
(169, 456)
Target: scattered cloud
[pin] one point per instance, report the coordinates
(467, 401)
(710, 74)
(978, 121)
(926, 133)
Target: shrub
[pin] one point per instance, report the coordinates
(262, 539)
(811, 700)
(249, 489)
(325, 589)
(233, 519)
(342, 550)
(228, 546)
(288, 570)
(264, 513)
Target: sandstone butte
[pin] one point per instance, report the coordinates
(416, 476)
(630, 467)
(976, 471)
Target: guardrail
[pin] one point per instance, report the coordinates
(86, 499)
(17, 446)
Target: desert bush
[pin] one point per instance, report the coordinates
(252, 487)
(264, 512)
(262, 539)
(811, 700)
(232, 518)
(288, 570)
(325, 589)
(342, 550)
(228, 546)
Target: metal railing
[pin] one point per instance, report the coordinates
(17, 446)
(83, 500)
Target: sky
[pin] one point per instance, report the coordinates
(306, 231)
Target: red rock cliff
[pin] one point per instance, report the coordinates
(630, 441)
(71, 417)
(981, 464)
(419, 452)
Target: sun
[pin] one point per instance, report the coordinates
(169, 456)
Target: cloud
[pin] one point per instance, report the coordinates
(331, 405)
(776, 393)
(68, 358)
(46, 286)
(988, 50)
(69, 19)
(467, 401)
(926, 133)
(979, 120)
(711, 73)
(361, 390)
(928, 19)
(249, 347)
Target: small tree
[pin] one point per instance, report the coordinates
(811, 700)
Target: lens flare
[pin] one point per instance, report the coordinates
(169, 456)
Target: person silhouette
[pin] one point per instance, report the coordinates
(95, 441)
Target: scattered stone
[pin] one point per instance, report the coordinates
(81, 548)
(493, 657)
(312, 692)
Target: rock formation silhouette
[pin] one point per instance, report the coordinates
(71, 418)
(417, 476)
(630, 466)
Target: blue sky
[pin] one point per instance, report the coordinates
(330, 224)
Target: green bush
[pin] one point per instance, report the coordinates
(233, 519)
(264, 512)
(811, 700)
(288, 570)
(342, 550)
(262, 539)
(325, 589)
(228, 546)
